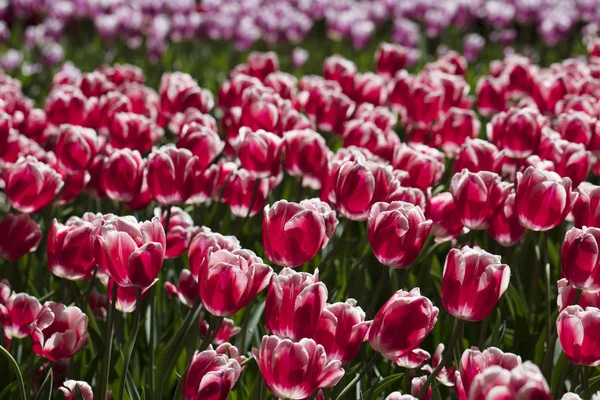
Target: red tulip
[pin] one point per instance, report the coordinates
(505, 227)
(383, 117)
(102, 111)
(370, 88)
(340, 70)
(74, 390)
(567, 293)
(126, 296)
(122, 73)
(571, 160)
(294, 304)
(586, 211)
(284, 84)
(187, 291)
(446, 222)
(226, 331)
(397, 232)
(261, 64)
(247, 194)
(192, 116)
(295, 370)
(230, 351)
(525, 381)
(543, 200)
(144, 100)
(402, 324)
(65, 105)
(477, 155)
(261, 109)
(31, 185)
(259, 152)
(473, 362)
(170, 174)
(518, 131)
(576, 127)
(143, 198)
(390, 58)
(341, 330)
(306, 156)
(413, 359)
(491, 96)
(580, 258)
(424, 165)
(447, 375)
(416, 384)
(99, 304)
(131, 252)
(60, 331)
(123, 175)
(75, 184)
(133, 131)
(478, 197)
(19, 235)
(181, 227)
(210, 376)
(204, 240)
(548, 89)
(329, 108)
(203, 142)
(179, 91)
(399, 396)
(577, 329)
(472, 283)
(294, 233)
(367, 135)
(70, 249)
(18, 314)
(95, 84)
(229, 281)
(410, 195)
(458, 126)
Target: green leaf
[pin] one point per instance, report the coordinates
(385, 383)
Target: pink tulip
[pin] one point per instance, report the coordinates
(580, 258)
(505, 227)
(65, 105)
(210, 376)
(525, 381)
(73, 390)
(447, 375)
(586, 211)
(170, 174)
(567, 293)
(187, 289)
(70, 249)
(306, 155)
(259, 152)
(473, 362)
(134, 131)
(341, 70)
(518, 131)
(424, 165)
(413, 359)
(179, 91)
(181, 230)
(476, 155)
(18, 313)
(446, 223)
(76, 147)
(226, 331)
(126, 300)
(204, 240)
(19, 235)
(459, 125)
(122, 175)
(400, 396)
(245, 193)
(416, 384)
(390, 58)
(203, 142)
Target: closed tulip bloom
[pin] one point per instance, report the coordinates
(402, 324)
(458, 126)
(131, 252)
(18, 314)
(367, 135)
(518, 131)
(413, 359)
(567, 293)
(126, 300)
(424, 165)
(390, 58)
(226, 331)
(204, 240)
(170, 174)
(179, 91)
(229, 281)
(295, 370)
(472, 283)
(306, 155)
(571, 160)
(293, 233)
(491, 96)
(210, 376)
(543, 200)
(294, 304)
(60, 331)
(181, 226)
(416, 384)
(123, 174)
(134, 131)
(586, 211)
(478, 197)
(397, 232)
(70, 249)
(19, 235)
(504, 226)
(31, 185)
(187, 289)
(473, 362)
(573, 396)
(259, 152)
(577, 332)
(525, 381)
(76, 147)
(341, 70)
(400, 396)
(246, 194)
(341, 330)
(370, 88)
(580, 258)
(476, 155)
(446, 223)
(65, 104)
(73, 390)
(202, 141)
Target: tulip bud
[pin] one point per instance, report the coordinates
(446, 222)
(70, 249)
(447, 375)
(400, 396)
(505, 227)
(524, 381)
(370, 88)
(476, 155)
(543, 200)
(580, 258)
(131, 252)
(203, 142)
(472, 283)
(424, 165)
(518, 131)
(491, 96)
(473, 362)
(65, 105)
(210, 376)
(295, 370)
(294, 233)
(31, 185)
(586, 211)
(306, 155)
(397, 232)
(133, 131)
(126, 301)
(76, 147)
(390, 58)
(179, 91)
(259, 152)
(19, 235)
(229, 281)
(576, 127)
(402, 324)
(123, 174)
(60, 331)
(478, 197)
(19, 314)
(204, 240)
(367, 135)
(459, 125)
(170, 174)
(567, 293)
(74, 390)
(341, 70)
(413, 359)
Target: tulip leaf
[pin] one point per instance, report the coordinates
(385, 383)
(253, 323)
(131, 389)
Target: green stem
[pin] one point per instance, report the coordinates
(211, 334)
(152, 340)
(109, 334)
(586, 381)
(168, 219)
(483, 332)
(15, 366)
(131, 344)
(358, 377)
(378, 290)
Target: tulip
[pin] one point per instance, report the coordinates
(134, 131)
(210, 376)
(341, 330)
(543, 200)
(131, 252)
(399, 396)
(295, 370)
(230, 280)
(491, 96)
(247, 194)
(525, 381)
(576, 327)
(226, 331)
(204, 240)
(123, 175)
(179, 91)
(413, 359)
(416, 384)
(170, 174)
(187, 291)
(370, 88)
(459, 125)
(397, 232)
(102, 111)
(329, 108)
(143, 198)
(567, 294)
(203, 142)
(580, 258)
(73, 390)
(402, 324)
(261, 109)
(390, 58)
(60, 331)
(586, 210)
(410, 195)
(31, 185)
(572, 396)
(18, 314)
(446, 224)
(446, 375)
(576, 127)
(341, 70)
(571, 160)
(294, 304)
(126, 301)
(367, 135)
(76, 147)
(99, 304)
(191, 116)
(306, 155)
(19, 235)
(473, 362)
(476, 155)
(505, 227)
(472, 283)
(518, 131)
(180, 230)
(65, 104)
(294, 233)
(70, 249)
(424, 165)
